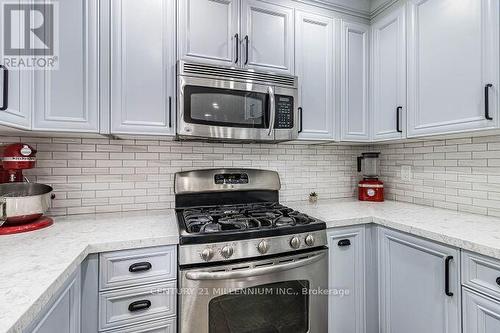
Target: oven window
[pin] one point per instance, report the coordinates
(225, 107)
(272, 308)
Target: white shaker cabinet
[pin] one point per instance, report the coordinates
(481, 314)
(315, 68)
(63, 314)
(15, 90)
(67, 99)
(453, 52)
(267, 32)
(142, 67)
(346, 276)
(388, 80)
(419, 285)
(355, 116)
(209, 31)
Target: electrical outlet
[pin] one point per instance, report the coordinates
(406, 173)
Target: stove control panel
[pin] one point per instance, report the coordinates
(231, 178)
(250, 248)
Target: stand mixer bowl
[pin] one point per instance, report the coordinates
(22, 203)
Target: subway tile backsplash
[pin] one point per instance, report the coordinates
(458, 174)
(106, 175)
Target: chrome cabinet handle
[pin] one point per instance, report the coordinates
(272, 108)
(245, 273)
(5, 96)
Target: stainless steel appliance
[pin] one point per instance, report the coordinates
(228, 103)
(246, 262)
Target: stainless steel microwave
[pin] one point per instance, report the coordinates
(227, 103)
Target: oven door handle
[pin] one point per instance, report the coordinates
(272, 108)
(255, 271)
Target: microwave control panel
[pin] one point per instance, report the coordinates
(284, 112)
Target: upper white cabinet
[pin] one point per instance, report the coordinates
(315, 67)
(244, 33)
(419, 285)
(388, 79)
(268, 36)
(209, 31)
(354, 88)
(453, 52)
(67, 99)
(142, 67)
(346, 276)
(15, 90)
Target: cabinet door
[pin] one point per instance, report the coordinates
(480, 313)
(453, 52)
(315, 66)
(388, 91)
(208, 31)
(268, 35)
(67, 99)
(347, 280)
(64, 313)
(354, 59)
(412, 284)
(143, 67)
(16, 84)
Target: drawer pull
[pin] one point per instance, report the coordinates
(344, 242)
(140, 267)
(498, 281)
(139, 305)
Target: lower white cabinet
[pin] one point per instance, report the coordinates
(63, 315)
(419, 285)
(346, 280)
(481, 314)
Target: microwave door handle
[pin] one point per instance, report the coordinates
(247, 273)
(272, 108)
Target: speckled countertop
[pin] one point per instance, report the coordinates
(35, 265)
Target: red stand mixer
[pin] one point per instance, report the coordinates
(370, 188)
(22, 204)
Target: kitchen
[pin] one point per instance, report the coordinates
(157, 190)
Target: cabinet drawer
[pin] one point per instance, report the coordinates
(163, 326)
(137, 267)
(137, 305)
(481, 273)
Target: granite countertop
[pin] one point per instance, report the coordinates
(472, 232)
(35, 265)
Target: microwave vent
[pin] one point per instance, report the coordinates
(238, 74)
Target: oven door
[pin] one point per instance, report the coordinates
(269, 295)
(222, 109)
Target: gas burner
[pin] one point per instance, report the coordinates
(243, 217)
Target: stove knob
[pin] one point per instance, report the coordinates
(309, 240)
(207, 254)
(263, 247)
(295, 242)
(226, 252)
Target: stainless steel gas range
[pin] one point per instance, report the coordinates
(246, 262)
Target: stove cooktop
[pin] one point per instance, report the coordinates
(242, 221)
